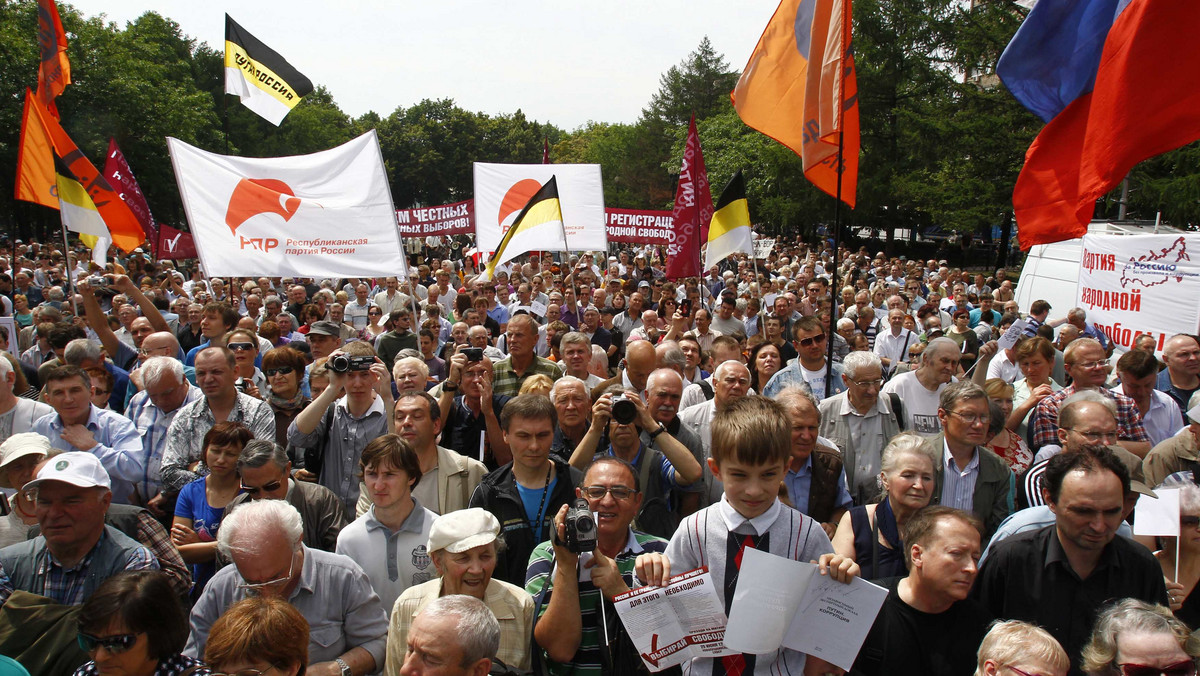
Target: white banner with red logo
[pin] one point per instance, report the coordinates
(1131, 285)
(328, 214)
(446, 219)
(502, 190)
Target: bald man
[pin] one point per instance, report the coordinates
(640, 361)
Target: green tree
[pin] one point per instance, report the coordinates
(700, 84)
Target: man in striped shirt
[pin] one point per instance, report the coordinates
(567, 588)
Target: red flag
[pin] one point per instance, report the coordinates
(800, 88)
(173, 244)
(692, 212)
(545, 151)
(54, 72)
(1146, 102)
(118, 173)
(126, 232)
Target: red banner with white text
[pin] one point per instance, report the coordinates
(627, 226)
(447, 219)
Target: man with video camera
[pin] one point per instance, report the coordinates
(577, 629)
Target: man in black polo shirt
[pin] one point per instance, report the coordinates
(1060, 575)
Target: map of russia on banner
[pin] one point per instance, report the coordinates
(328, 214)
(502, 190)
(1140, 284)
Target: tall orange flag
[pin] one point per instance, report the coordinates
(799, 88)
(54, 71)
(126, 230)
(35, 158)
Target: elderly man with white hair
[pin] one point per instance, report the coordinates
(920, 390)
(348, 626)
(455, 635)
(730, 381)
(860, 422)
(165, 390)
(573, 405)
(21, 412)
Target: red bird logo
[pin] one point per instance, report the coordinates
(254, 196)
(515, 200)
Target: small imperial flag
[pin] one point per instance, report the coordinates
(729, 232)
(538, 226)
(259, 76)
(78, 212)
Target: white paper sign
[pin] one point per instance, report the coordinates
(789, 604)
(537, 308)
(763, 247)
(1157, 516)
(1011, 335)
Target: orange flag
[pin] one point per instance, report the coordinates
(126, 230)
(54, 72)
(35, 158)
(799, 88)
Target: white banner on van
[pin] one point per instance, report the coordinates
(1131, 285)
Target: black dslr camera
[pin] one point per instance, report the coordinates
(580, 527)
(623, 410)
(344, 363)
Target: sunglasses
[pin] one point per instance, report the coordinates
(112, 644)
(278, 371)
(1187, 668)
(809, 342)
(268, 487)
(241, 347)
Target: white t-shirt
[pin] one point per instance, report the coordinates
(920, 405)
(1002, 368)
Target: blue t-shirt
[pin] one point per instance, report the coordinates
(531, 498)
(193, 504)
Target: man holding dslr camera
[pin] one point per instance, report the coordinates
(333, 430)
(620, 416)
(577, 628)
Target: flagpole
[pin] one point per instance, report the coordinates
(834, 289)
(67, 265)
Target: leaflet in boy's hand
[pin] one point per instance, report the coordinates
(675, 623)
(785, 603)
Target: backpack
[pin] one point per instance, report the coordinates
(656, 516)
(897, 409)
(707, 389)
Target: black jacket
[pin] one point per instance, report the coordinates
(497, 493)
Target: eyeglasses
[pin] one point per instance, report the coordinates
(241, 347)
(868, 383)
(265, 488)
(1019, 672)
(1089, 365)
(972, 419)
(278, 371)
(147, 351)
(619, 493)
(1189, 521)
(812, 340)
(1187, 668)
(1095, 437)
(259, 586)
(114, 645)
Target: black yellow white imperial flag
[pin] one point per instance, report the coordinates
(259, 76)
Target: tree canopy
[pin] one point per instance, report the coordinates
(942, 140)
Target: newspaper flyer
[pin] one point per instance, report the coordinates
(677, 622)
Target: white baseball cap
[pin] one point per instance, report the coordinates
(18, 446)
(78, 469)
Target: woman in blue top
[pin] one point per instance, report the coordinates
(202, 503)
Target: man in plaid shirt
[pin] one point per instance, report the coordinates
(1088, 367)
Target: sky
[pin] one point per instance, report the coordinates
(561, 62)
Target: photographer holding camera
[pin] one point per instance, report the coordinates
(620, 416)
(334, 429)
(577, 629)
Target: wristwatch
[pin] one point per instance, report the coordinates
(449, 386)
(344, 667)
(661, 428)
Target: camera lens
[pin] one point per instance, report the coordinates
(339, 363)
(623, 411)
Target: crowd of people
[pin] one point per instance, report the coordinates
(376, 476)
